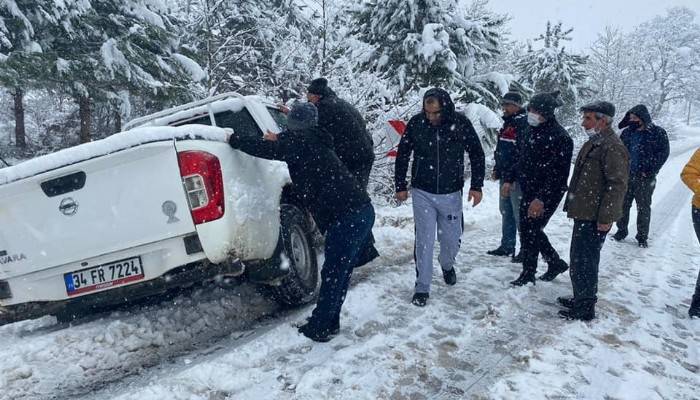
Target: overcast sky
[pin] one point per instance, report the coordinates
(587, 17)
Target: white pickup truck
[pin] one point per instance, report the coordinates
(165, 203)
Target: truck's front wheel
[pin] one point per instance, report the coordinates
(298, 255)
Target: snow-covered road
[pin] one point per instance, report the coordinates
(479, 339)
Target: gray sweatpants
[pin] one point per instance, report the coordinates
(431, 211)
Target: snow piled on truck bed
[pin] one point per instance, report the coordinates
(114, 143)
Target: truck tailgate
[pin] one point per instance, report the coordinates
(109, 203)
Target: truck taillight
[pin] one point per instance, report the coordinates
(204, 185)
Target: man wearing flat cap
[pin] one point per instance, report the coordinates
(594, 201)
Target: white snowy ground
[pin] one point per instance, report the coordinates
(480, 339)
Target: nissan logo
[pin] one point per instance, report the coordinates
(68, 206)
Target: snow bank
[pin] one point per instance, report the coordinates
(119, 141)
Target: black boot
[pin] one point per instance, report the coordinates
(334, 327)
(620, 235)
(567, 302)
(694, 310)
(420, 299)
(642, 243)
(450, 276)
(584, 311)
(556, 267)
(524, 278)
(316, 332)
(501, 252)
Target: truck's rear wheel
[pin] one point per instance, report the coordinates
(298, 255)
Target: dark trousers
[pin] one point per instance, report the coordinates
(586, 243)
(696, 223)
(640, 190)
(533, 240)
(369, 252)
(344, 241)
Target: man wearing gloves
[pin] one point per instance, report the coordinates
(596, 191)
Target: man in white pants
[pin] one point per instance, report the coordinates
(437, 138)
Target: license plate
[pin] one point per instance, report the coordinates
(104, 276)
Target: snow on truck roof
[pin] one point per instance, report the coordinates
(151, 128)
(230, 101)
(111, 144)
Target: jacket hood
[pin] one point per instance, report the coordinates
(446, 103)
(640, 111)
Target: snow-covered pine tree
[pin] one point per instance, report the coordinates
(246, 45)
(552, 67)
(611, 68)
(420, 43)
(666, 54)
(27, 28)
(116, 48)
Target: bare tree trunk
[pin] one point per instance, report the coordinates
(690, 105)
(20, 134)
(85, 118)
(117, 120)
(324, 37)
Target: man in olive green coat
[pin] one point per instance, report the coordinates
(596, 193)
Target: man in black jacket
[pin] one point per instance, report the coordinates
(438, 138)
(542, 172)
(351, 141)
(339, 205)
(648, 147)
(512, 133)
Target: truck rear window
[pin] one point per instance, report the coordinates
(241, 122)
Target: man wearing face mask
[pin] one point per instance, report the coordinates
(596, 191)
(542, 172)
(648, 147)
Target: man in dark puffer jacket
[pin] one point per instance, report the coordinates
(648, 147)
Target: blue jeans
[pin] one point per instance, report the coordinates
(510, 216)
(344, 241)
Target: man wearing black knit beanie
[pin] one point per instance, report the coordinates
(351, 141)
